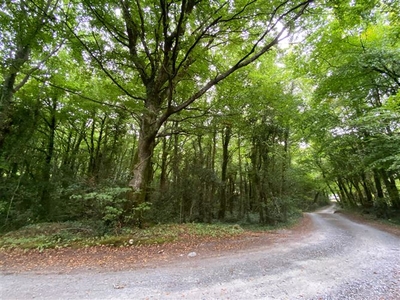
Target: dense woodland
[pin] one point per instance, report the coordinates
(128, 112)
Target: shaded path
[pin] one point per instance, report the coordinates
(339, 260)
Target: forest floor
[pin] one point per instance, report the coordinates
(110, 258)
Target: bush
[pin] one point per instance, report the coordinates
(106, 204)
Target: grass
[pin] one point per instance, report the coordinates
(80, 234)
(393, 219)
(77, 235)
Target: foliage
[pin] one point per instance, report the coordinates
(352, 122)
(124, 112)
(107, 205)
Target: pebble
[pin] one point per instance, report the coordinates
(192, 254)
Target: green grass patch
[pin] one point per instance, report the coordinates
(47, 235)
(77, 235)
(393, 221)
(80, 234)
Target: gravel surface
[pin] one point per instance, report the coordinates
(340, 259)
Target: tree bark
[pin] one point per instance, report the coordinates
(242, 193)
(368, 195)
(391, 188)
(378, 185)
(226, 136)
(164, 164)
(212, 186)
(348, 196)
(46, 210)
(142, 168)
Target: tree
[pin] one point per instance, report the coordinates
(29, 39)
(357, 84)
(172, 53)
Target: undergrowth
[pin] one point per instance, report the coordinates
(392, 218)
(87, 234)
(77, 235)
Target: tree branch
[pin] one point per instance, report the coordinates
(77, 93)
(115, 33)
(143, 38)
(133, 34)
(244, 61)
(99, 62)
(37, 67)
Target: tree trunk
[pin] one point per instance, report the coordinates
(378, 185)
(285, 162)
(46, 210)
(380, 205)
(142, 168)
(360, 195)
(391, 189)
(98, 157)
(5, 108)
(368, 195)
(226, 136)
(164, 164)
(71, 156)
(7, 92)
(212, 187)
(200, 186)
(242, 201)
(347, 195)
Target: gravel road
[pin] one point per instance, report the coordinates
(340, 259)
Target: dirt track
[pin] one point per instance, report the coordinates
(339, 259)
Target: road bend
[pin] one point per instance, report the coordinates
(340, 259)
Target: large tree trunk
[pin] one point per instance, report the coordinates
(142, 168)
